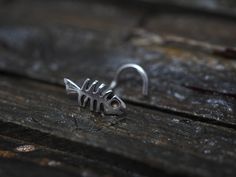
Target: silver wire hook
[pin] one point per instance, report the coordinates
(139, 69)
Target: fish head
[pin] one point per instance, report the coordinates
(114, 106)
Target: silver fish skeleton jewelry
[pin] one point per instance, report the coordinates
(101, 98)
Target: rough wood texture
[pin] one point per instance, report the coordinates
(224, 7)
(42, 160)
(185, 127)
(185, 77)
(147, 136)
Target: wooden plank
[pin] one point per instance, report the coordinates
(199, 27)
(184, 80)
(22, 155)
(224, 7)
(14, 167)
(109, 23)
(172, 79)
(165, 142)
(192, 63)
(72, 154)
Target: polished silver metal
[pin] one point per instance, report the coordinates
(139, 69)
(99, 98)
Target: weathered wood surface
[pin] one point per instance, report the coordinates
(20, 156)
(184, 77)
(185, 127)
(159, 140)
(225, 7)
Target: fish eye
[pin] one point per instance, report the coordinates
(115, 104)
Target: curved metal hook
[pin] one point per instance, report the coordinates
(139, 69)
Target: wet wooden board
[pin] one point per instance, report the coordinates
(159, 140)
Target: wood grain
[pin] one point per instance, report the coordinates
(44, 160)
(192, 83)
(226, 7)
(185, 127)
(159, 140)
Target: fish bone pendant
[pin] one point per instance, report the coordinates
(97, 96)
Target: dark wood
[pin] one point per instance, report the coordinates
(185, 127)
(147, 136)
(226, 7)
(52, 53)
(45, 161)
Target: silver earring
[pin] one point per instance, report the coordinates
(101, 98)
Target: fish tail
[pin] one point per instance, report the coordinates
(71, 87)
